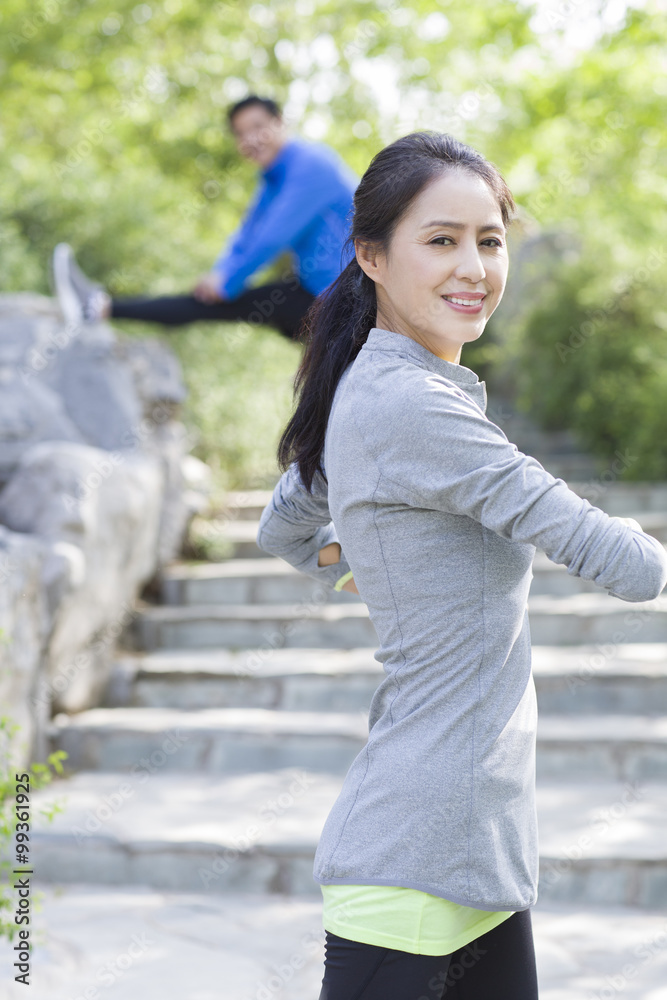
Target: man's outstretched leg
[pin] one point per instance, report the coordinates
(281, 304)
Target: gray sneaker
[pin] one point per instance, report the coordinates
(81, 300)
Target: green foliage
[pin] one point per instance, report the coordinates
(587, 347)
(40, 775)
(113, 138)
(239, 395)
(601, 371)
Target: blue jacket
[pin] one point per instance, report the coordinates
(304, 204)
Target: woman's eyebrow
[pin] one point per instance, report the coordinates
(461, 225)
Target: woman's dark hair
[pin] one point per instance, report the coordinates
(339, 320)
(250, 101)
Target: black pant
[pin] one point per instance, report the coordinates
(282, 304)
(499, 965)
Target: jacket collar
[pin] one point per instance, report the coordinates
(398, 343)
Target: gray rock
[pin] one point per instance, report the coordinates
(97, 388)
(156, 372)
(101, 512)
(93, 492)
(25, 625)
(29, 412)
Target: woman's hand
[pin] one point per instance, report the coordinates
(329, 555)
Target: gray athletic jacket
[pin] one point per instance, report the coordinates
(438, 516)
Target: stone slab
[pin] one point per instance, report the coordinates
(600, 843)
(286, 809)
(596, 618)
(631, 678)
(232, 740)
(608, 747)
(128, 942)
(581, 619)
(243, 581)
(212, 740)
(263, 580)
(248, 626)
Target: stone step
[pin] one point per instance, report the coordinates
(616, 679)
(240, 535)
(214, 740)
(313, 623)
(596, 618)
(269, 946)
(599, 843)
(630, 678)
(236, 740)
(575, 620)
(602, 747)
(271, 581)
(244, 581)
(245, 505)
(235, 537)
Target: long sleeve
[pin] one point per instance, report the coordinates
(227, 262)
(296, 524)
(439, 445)
(276, 224)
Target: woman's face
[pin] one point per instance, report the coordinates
(446, 267)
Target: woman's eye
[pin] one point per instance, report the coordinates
(493, 241)
(442, 238)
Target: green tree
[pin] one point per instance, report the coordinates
(113, 138)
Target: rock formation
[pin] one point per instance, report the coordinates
(93, 501)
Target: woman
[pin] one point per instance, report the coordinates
(398, 486)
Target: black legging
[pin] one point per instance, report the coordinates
(499, 965)
(281, 304)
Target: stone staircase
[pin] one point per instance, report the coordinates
(232, 720)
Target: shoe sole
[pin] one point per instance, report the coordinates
(68, 299)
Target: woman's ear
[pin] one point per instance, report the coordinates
(368, 259)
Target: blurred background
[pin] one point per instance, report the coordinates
(134, 601)
(114, 139)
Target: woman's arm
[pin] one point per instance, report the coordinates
(440, 446)
(296, 525)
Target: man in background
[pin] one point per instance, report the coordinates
(302, 204)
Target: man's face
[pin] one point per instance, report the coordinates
(259, 135)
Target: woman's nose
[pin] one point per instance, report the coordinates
(470, 264)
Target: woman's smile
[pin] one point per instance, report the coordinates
(466, 302)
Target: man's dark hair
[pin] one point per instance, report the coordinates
(249, 102)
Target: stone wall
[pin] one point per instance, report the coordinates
(93, 501)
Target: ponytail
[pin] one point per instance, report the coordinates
(335, 328)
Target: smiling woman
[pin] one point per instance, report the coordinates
(436, 268)
(396, 482)
(405, 268)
